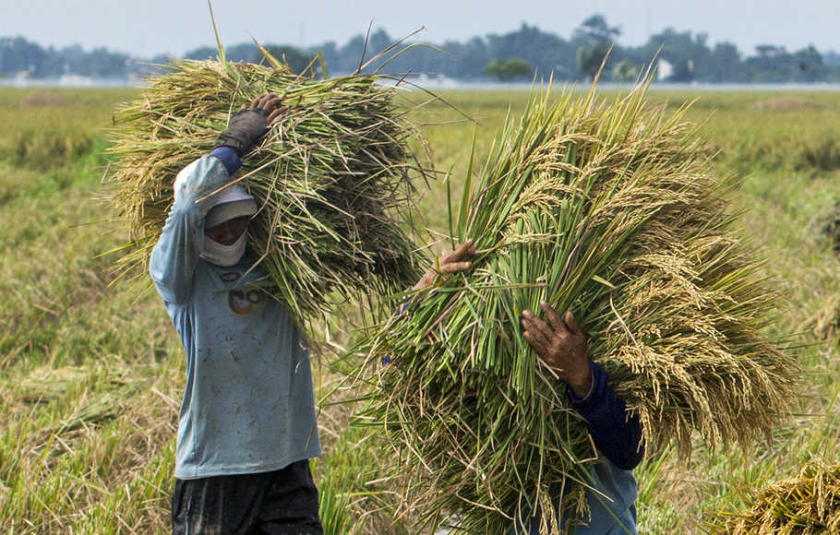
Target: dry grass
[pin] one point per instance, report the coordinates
(785, 104)
(806, 505)
(831, 228)
(41, 99)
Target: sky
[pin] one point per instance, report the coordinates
(144, 28)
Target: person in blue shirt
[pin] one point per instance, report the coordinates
(617, 434)
(247, 425)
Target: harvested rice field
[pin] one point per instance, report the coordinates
(91, 371)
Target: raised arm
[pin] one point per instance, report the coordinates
(177, 252)
(178, 249)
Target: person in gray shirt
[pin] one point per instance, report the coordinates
(247, 423)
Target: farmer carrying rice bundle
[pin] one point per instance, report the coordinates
(561, 345)
(332, 183)
(247, 423)
(609, 309)
(253, 224)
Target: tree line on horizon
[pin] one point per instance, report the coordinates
(516, 55)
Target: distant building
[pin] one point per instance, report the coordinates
(436, 80)
(21, 79)
(664, 69)
(75, 80)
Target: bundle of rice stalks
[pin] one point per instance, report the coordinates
(805, 505)
(332, 178)
(46, 384)
(608, 209)
(825, 323)
(831, 228)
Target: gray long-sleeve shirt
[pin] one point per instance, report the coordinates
(248, 403)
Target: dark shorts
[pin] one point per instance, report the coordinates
(283, 502)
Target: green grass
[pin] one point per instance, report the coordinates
(91, 374)
(45, 129)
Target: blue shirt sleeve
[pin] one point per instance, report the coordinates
(176, 254)
(616, 434)
(228, 157)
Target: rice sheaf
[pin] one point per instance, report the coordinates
(610, 209)
(333, 179)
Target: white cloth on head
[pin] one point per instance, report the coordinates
(232, 202)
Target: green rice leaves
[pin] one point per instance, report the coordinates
(608, 209)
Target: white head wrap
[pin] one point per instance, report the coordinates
(230, 203)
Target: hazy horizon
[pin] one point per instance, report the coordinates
(172, 27)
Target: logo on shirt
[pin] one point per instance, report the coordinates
(229, 276)
(243, 301)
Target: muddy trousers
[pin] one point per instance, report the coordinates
(282, 502)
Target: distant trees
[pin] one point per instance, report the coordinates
(17, 55)
(590, 58)
(240, 52)
(725, 64)
(545, 52)
(775, 64)
(626, 71)
(594, 38)
(504, 56)
(689, 55)
(349, 57)
(810, 66)
(509, 69)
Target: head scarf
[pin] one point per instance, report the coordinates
(230, 203)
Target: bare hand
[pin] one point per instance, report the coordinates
(561, 346)
(269, 103)
(452, 262)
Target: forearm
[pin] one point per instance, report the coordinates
(616, 434)
(178, 249)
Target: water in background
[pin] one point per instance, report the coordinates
(447, 84)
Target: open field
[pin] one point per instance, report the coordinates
(91, 373)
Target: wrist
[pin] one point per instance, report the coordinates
(229, 158)
(581, 384)
(426, 280)
(236, 146)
